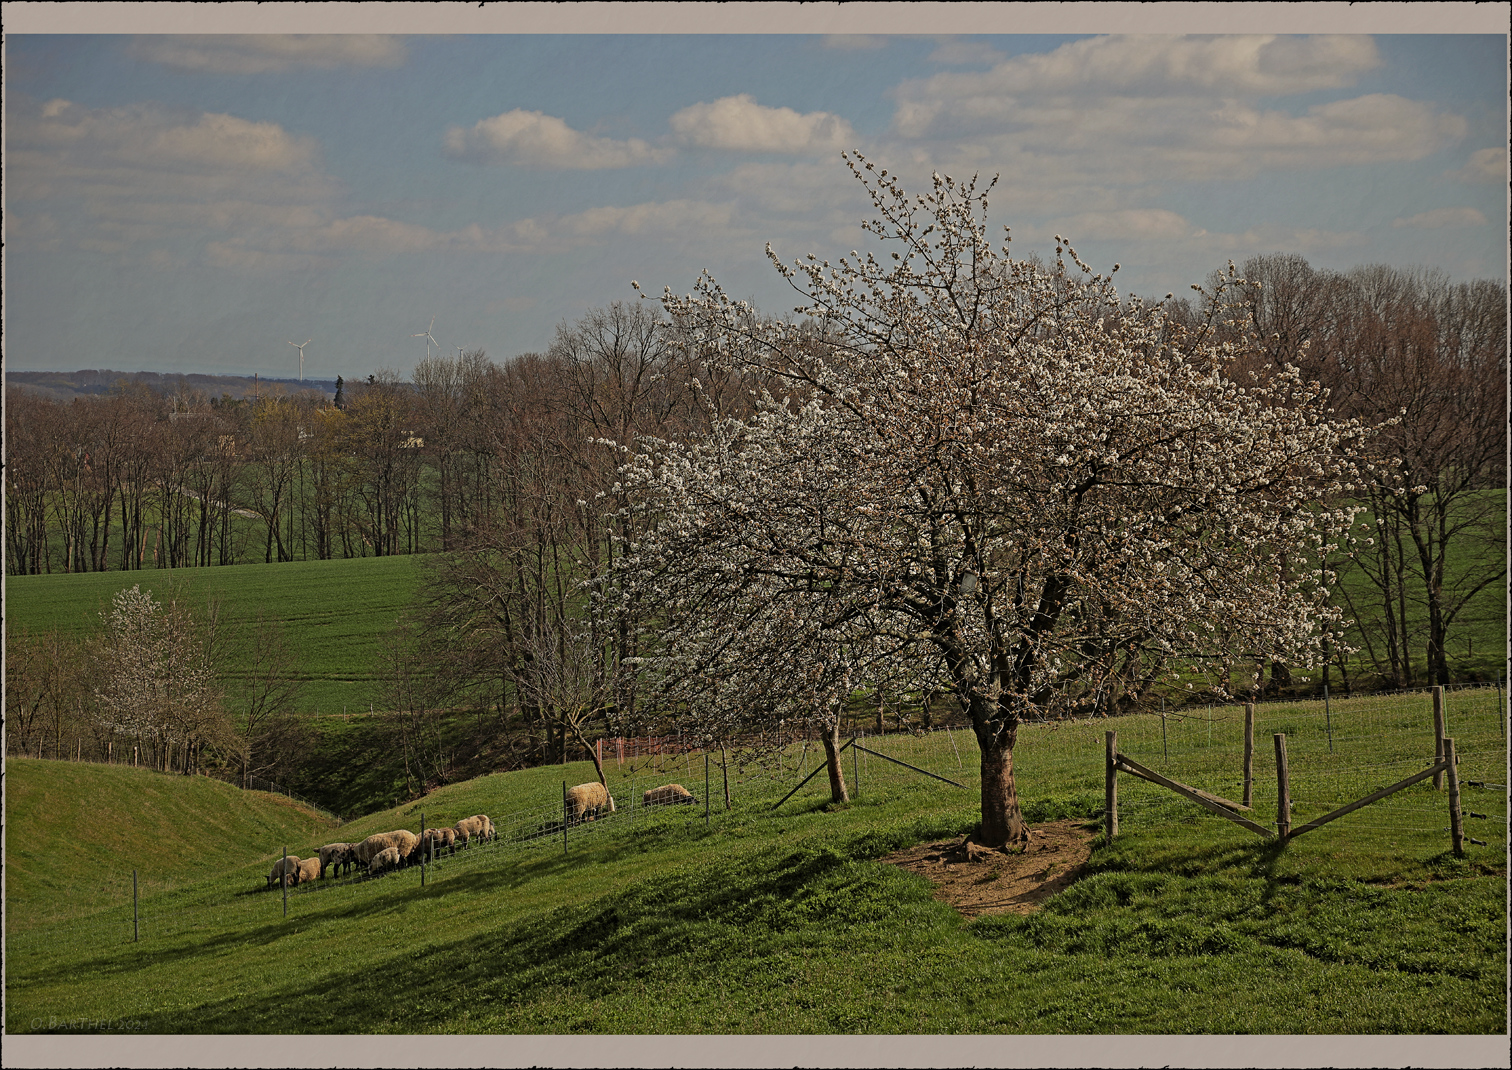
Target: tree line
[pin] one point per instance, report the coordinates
(507, 475)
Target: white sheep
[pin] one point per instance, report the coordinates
(307, 870)
(402, 840)
(668, 795)
(586, 801)
(386, 859)
(283, 869)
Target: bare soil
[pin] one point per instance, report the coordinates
(976, 880)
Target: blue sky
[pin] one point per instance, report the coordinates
(194, 203)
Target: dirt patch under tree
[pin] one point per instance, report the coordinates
(977, 880)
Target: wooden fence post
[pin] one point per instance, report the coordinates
(1249, 754)
(1110, 790)
(1283, 784)
(1438, 735)
(1456, 819)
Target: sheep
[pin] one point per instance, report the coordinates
(334, 855)
(440, 837)
(402, 840)
(283, 869)
(585, 802)
(471, 828)
(668, 795)
(307, 870)
(388, 858)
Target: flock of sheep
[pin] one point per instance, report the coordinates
(383, 851)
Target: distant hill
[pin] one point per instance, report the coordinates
(64, 386)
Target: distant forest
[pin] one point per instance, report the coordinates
(503, 469)
(65, 386)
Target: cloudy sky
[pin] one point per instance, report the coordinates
(196, 202)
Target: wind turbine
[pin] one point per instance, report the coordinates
(429, 341)
(301, 356)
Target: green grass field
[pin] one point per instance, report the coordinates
(781, 920)
(334, 612)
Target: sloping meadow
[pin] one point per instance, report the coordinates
(756, 919)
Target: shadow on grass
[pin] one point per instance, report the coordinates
(734, 914)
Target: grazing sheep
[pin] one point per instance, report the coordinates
(283, 869)
(586, 801)
(402, 840)
(469, 829)
(668, 795)
(442, 838)
(307, 870)
(484, 825)
(386, 859)
(333, 854)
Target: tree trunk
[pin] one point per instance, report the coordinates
(1003, 822)
(831, 739)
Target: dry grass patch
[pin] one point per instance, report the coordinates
(977, 880)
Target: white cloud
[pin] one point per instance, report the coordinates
(1131, 139)
(1148, 66)
(739, 123)
(66, 135)
(1142, 224)
(965, 53)
(795, 188)
(661, 218)
(1484, 165)
(264, 53)
(1149, 108)
(534, 139)
(1442, 217)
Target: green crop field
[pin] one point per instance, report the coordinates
(781, 920)
(334, 611)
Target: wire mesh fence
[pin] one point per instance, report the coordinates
(1338, 751)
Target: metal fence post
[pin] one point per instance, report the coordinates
(1249, 754)
(1328, 718)
(1438, 735)
(1110, 790)
(1283, 785)
(706, 789)
(423, 846)
(136, 918)
(284, 880)
(1456, 819)
(564, 817)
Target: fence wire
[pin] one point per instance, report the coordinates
(1337, 752)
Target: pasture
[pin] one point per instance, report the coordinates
(334, 613)
(763, 920)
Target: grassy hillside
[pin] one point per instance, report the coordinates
(783, 921)
(335, 611)
(76, 831)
